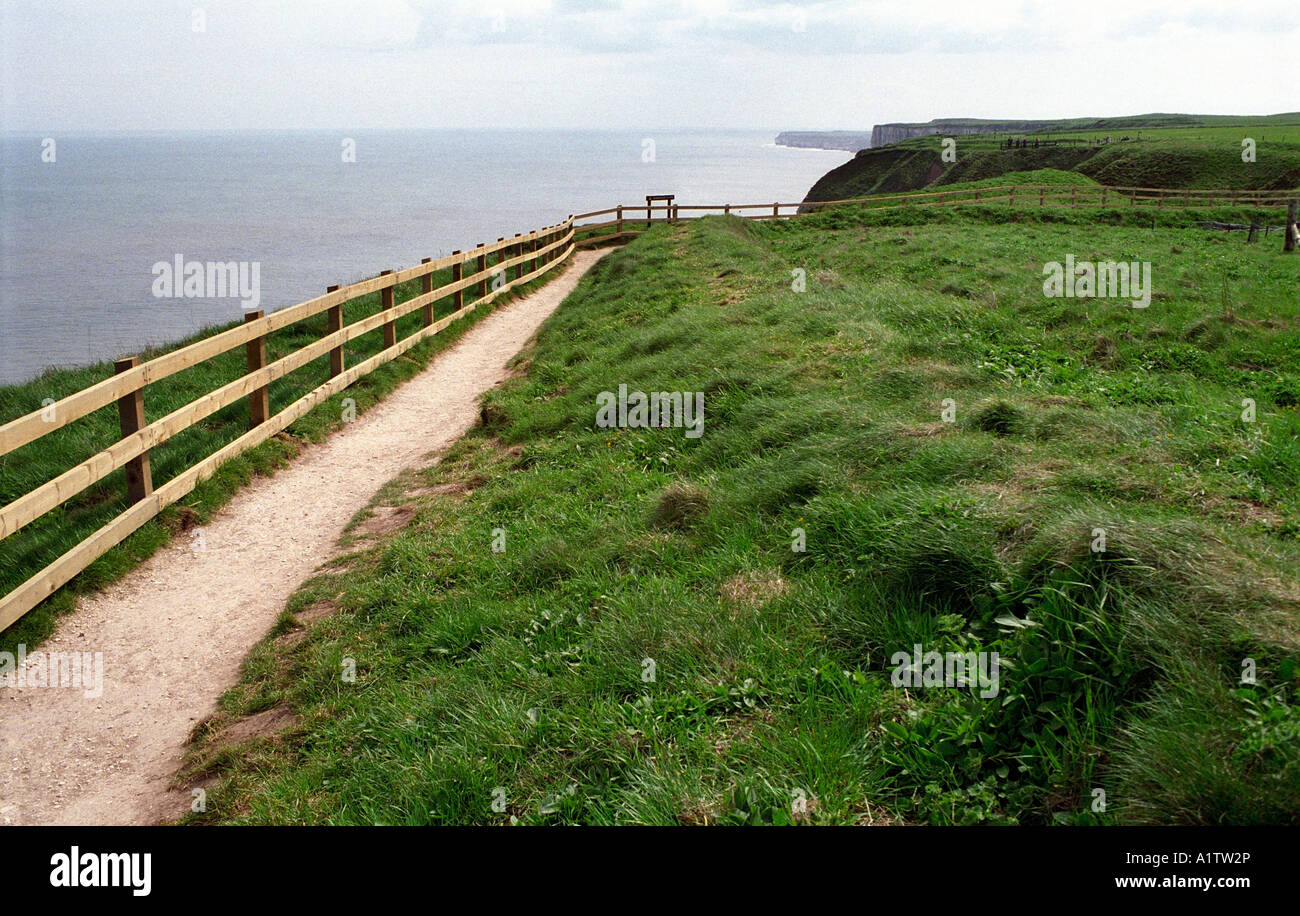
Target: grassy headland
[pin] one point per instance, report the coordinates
(1159, 154)
(651, 646)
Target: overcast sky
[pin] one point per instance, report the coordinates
(197, 64)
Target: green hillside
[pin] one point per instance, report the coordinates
(691, 630)
(1182, 156)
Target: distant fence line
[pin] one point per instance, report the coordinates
(626, 218)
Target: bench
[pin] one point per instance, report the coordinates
(669, 208)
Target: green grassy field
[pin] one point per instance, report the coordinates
(34, 546)
(1197, 157)
(1209, 136)
(651, 646)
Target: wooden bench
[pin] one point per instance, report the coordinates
(669, 208)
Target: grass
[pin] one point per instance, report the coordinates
(688, 631)
(1195, 157)
(44, 540)
(1050, 177)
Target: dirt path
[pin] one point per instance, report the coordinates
(175, 631)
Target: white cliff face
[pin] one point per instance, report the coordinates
(885, 134)
(850, 141)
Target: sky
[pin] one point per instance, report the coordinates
(632, 64)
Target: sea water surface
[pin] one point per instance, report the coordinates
(79, 235)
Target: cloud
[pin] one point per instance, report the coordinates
(828, 26)
(376, 25)
(138, 64)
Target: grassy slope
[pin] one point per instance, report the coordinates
(523, 671)
(1034, 177)
(45, 539)
(1129, 123)
(1174, 158)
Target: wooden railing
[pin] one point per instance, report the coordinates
(528, 256)
(628, 218)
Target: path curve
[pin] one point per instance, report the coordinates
(175, 630)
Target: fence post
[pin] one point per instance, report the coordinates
(647, 213)
(426, 286)
(1103, 198)
(481, 269)
(726, 211)
(335, 324)
(1160, 199)
(1288, 242)
(1074, 197)
(1011, 196)
(1041, 192)
(130, 412)
(259, 400)
(517, 251)
(457, 273)
(618, 225)
(386, 303)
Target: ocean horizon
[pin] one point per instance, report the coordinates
(87, 216)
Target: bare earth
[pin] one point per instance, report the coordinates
(175, 631)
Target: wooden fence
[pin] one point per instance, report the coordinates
(626, 219)
(528, 256)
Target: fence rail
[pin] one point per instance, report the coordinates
(528, 256)
(1013, 195)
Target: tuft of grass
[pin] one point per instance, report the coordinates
(1001, 419)
(680, 506)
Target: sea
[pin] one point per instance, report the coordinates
(84, 218)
